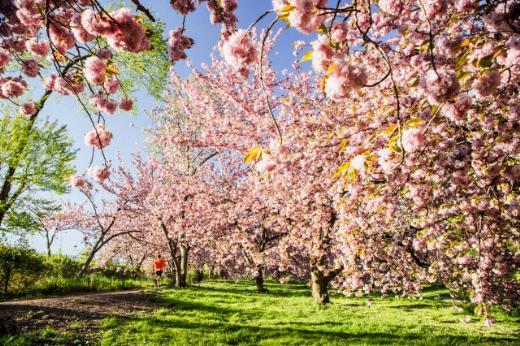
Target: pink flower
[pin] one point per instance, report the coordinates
(96, 24)
(488, 322)
(38, 48)
(79, 32)
(487, 84)
(435, 8)
(339, 32)
(466, 319)
(183, 6)
(99, 173)
(177, 44)
(77, 181)
(94, 70)
(345, 78)
(413, 139)
(238, 50)
(104, 54)
(322, 54)
(111, 85)
(13, 87)
(67, 85)
(393, 7)
(388, 160)
(369, 302)
(5, 58)
(440, 88)
(30, 67)
(126, 104)
(28, 108)
(128, 35)
(49, 82)
(98, 137)
(61, 37)
(103, 103)
(304, 16)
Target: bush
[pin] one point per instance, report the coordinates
(24, 272)
(19, 267)
(195, 275)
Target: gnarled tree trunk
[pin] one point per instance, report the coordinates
(320, 283)
(259, 279)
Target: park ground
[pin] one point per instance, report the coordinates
(232, 313)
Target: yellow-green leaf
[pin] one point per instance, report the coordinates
(390, 129)
(254, 154)
(327, 74)
(415, 122)
(307, 56)
(342, 170)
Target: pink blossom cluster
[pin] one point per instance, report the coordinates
(5, 58)
(66, 85)
(39, 48)
(30, 67)
(322, 54)
(99, 173)
(77, 181)
(122, 31)
(440, 85)
(126, 104)
(28, 108)
(103, 103)
(183, 6)
(238, 50)
(413, 139)
(94, 70)
(345, 78)
(222, 12)
(393, 7)
(304, 16)
(487, 84)
(111, 85)
(98, 137)
(12, 87)
(177, 44)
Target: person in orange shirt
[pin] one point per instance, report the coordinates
(158, 268)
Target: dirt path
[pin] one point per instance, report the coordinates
(79, 314)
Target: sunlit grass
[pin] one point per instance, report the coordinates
(220, 313)
(46, 287)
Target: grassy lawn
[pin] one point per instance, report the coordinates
(220, 313)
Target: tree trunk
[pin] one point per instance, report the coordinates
(7, 278)
(259, 280)
(49, 243)
(86, 265)
(211, 270)
(319, 285)
(184, 250)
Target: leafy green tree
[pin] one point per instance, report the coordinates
(35, 158)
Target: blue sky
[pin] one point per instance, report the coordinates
(129, 139)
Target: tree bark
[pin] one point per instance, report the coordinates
(319, 287)
(259, 280)
(7, 278)
(319, 284)
(184, 251)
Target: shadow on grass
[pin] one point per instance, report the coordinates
(289, 290)
(300, 333)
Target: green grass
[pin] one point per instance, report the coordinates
(46, 287)
(45, 336)
(221, 313)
